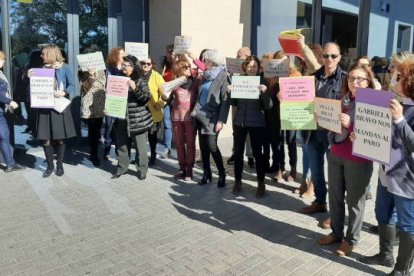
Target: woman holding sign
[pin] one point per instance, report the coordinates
(183, 99)
(5, 103)
(137, 123)
(211, 111)
(396, 181)
(53, 128)
(346, 172)
(250, 119)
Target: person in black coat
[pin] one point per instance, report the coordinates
(137, 123)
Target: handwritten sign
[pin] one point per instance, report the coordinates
(328, 112)
(234, 65)
(138, 50)
(245, 87)
(92, 60)
(167, 87)
(297, 88)
(117, 96)
(373, 125)
(42, 88)
(297, 115)
(289, 41)
(276, 68)
(182, 44)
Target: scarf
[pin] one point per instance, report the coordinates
(211, 74)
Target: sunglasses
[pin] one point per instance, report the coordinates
(125, 65)
(146, 63)
(398, 78)
(333, 56)
(185, 67)
(358, 79)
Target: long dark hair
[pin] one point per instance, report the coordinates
(136, 72)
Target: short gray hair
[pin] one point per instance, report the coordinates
(213, 56)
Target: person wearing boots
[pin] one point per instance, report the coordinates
(134, 128)
(211, 112)
(395, 184)
(52, 127)
(6, 102)
(184, 132)
(250, 119)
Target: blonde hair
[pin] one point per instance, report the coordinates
(52, 54)
(401, 57)
(2, 55)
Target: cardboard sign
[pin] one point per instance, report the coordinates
(234, 65)
(328, 112)
(138, 50)
(245, 87)
(42, 88)
(373, 125)
(289, 41)
(297, 88)
(167, 87)
(182, 44)
(297, 116)
(117, 96)
(276, 68)
(92, 60)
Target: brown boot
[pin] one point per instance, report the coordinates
(292, 175)
(310, 192)
(302, 188)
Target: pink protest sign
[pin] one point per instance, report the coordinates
(297, 89)
(117, 86)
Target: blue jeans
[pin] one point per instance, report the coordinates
(318, 145)
(385, 211)
(167, 127)
(5, 146)
(108, 131)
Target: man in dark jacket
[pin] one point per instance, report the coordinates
(328, 85)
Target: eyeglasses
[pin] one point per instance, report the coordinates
(146, 63)
(358, 79)
(333, 56)
(125, 65)
(186, 67)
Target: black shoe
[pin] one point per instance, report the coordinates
(15, 167)
(59, 170)
(142, 176)
(206, 179)
(237, 187)
(116, 175)
(261, 189)
(250, 162)
(230, 161)
(221, 180)
(378, 259)
(151, 160)
(374, 229)
(95, 161)
(48, 172)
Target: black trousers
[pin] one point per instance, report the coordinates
(290, 137)
(258, 140)
(272, 142)
(94, 134)
(208, 145)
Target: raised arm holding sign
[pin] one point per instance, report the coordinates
(167, 87)
(234, 65)
(138, 50)
(182, 44)
(289, 41)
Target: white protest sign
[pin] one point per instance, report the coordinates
(276, 68)
(42, 88)
(167, 87)
(61, 104)
(328, 112)
(373, 125)
(92, 60)
(234, 65)
(138, 50)
(245, 87)
(182, 44)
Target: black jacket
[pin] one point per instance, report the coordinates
(138, 115)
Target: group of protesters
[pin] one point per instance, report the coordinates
(201, 105)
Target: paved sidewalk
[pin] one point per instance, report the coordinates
(84, 223)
